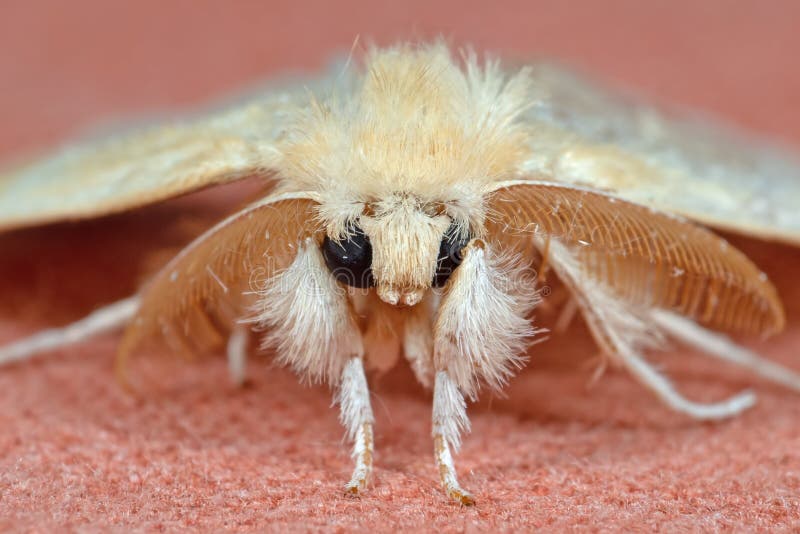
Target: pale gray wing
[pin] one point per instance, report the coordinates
(124, 171)
(587, 135)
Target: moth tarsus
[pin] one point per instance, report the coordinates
(412, 198)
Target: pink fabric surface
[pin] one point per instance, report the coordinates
(191, 452)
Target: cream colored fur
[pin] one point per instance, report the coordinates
(449, 410)
(405, 243)
(353, 397)
(308, 320)
(449, 421)
(415, 123)
(404, 148)
(356, 416)
(483, 323)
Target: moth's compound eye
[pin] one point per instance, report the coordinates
(449, 255)
(350, 258)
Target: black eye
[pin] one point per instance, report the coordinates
(350, 259)
(449, 255)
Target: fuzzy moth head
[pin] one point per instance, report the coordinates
(400, 163)
(400, 245)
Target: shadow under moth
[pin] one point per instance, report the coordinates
(413, 198)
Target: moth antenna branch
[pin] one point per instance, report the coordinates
(106, 319)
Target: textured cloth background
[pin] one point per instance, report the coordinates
(192, 452)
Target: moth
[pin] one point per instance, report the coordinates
(413, 199)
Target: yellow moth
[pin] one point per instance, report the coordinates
(413, 198)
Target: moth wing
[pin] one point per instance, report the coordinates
(194, 301)
(585, 135)
(647, 257)
(147, 165)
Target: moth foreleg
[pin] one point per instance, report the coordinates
(356, 416)
(310, 323)
(481, 331)
(307, 318)
(449, 420)
(105, 319)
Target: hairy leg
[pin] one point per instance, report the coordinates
(311, 324)
(718, 345)
(356, 416)
(108, 318)
(664, 390)
(622, 332)
(449, 420)
(481, 330)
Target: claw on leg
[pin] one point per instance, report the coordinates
(356, 416)
(449, 420)
(362, 452)
(447, 473)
